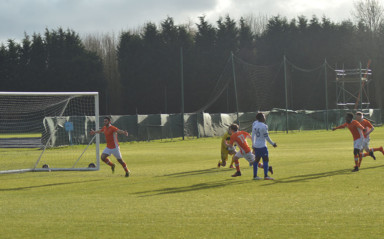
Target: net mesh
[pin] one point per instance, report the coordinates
(263, 88)
(254, 86)
(51, 130)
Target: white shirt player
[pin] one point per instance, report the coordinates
(260, 135)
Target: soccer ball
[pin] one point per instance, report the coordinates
(45, 166)
(91, 165)
(231, 149)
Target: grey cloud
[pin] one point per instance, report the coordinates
(103, 16)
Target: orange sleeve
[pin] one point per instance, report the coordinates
(114, 128)
(342, 126)
(357, 124)
(368, 124)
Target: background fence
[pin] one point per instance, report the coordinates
(168, 126)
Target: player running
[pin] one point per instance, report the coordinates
(357, 133)
(369, 128)
(259, 137)
(113, 147)
(225, 152)
(240, 138)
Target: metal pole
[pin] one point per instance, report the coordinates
(165, 100)
(228, 98)
(182, 90)
(361, 88)
(286, 95)
(234, 83)
(97, 114)
(326, 93)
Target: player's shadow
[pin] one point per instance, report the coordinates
(45, 185)
(193, 187)
(307, 177)
(197, 172)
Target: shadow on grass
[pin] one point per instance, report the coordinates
(45, 185)
(198, 172)
(194, 187)
(307, 177)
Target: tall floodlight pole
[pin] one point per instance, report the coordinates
(326, 93)
(182, 90)
(235, 86)
(286, 94)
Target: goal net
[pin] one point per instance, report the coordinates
(41, 131)
(249, 85)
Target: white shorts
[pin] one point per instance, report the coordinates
(366, 143)
(115, 152)
(250, 157)
(358, 144)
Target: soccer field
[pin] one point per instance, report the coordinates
(176, 191)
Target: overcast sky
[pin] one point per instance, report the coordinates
(113, 16)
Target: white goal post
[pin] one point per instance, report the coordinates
(49, 131)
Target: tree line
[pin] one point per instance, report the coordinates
(140, 71)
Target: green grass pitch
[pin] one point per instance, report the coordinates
(176, 191)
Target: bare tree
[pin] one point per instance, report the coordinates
(258, 24)
(105, 46)
(370, 13)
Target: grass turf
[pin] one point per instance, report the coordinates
(176, 191)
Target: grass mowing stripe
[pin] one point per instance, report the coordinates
(176, 191)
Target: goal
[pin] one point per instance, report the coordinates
(48, 131)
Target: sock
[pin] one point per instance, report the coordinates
(266, 166)
(124, 166)
(376, 149)
(255, 167)
(360, 159)
(237, 165)
(107, 161)
(357, 161)
(364, 154)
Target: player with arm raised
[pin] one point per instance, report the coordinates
(357, 133)
(113, 147)
(240, 139)
(369, 128)
(259, 137)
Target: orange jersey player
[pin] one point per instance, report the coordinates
(369, 128)
(357, 133)
(240, 139)
(113, 147)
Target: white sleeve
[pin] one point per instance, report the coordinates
(266, 135)
(253, 135)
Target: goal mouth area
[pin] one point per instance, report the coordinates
(49, 128)
(48, 170)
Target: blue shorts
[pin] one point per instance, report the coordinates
(261, 152)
